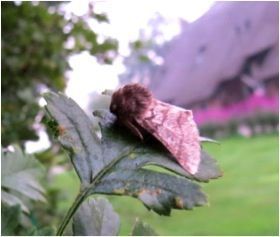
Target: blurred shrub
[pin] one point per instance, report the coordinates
(36, 43)
(232, 127)
(262, 121)
(271, 119)
(20, 174)
(21, 190)
(210, 129)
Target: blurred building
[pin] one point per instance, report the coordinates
(228, 58)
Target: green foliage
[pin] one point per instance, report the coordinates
(115, 164)
(45, 231)
(261, 120)
(9, 219)
(142, 229)
(96, 217)
(20, 186)
(11, 223)
(35, 49)
(268, 118)
(20, 174)
(211, 129)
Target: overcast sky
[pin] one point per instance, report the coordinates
(126, 18)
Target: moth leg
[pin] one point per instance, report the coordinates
(133, 128)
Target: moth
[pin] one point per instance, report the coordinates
(174, 127)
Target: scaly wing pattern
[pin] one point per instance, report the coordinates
(175, 128)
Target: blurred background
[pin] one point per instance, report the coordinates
(220, 59)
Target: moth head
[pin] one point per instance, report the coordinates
(131, 100)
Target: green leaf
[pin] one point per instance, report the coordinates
(76, 134)
(116, 163)
(19, 177)
(9, 219)
(159, 192)
(96, 217)
(142, 229)
(44, 231)
(12, 200)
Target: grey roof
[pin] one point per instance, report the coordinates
(215, 47)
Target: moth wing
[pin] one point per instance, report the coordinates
(175, 128)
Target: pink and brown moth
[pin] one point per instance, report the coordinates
(174, 127)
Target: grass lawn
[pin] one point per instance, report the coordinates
(242, 202)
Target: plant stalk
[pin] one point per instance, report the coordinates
(83, 195)
(79, 199)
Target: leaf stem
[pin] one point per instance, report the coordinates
(79, 199)
(83, 195)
